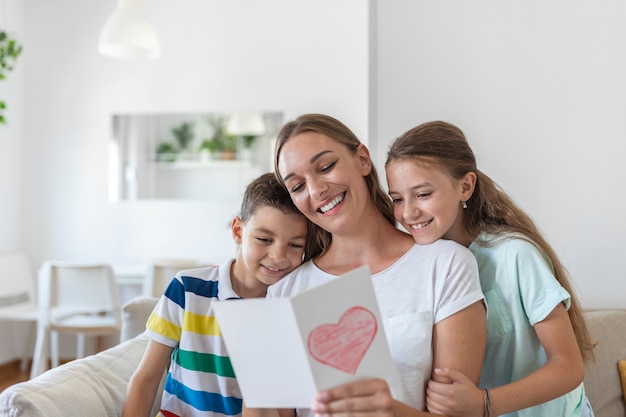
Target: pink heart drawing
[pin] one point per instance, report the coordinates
(343, 345)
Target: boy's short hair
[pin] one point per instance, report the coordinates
(266, 190)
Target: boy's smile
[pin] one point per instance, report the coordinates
(272, 245)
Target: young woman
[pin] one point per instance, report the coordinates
(429, 295)
(537, 338)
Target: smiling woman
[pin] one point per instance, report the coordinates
(429, 296)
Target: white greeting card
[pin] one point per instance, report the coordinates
(284, 350)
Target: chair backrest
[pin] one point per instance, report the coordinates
(160, 274)
(17, 284)
(69, 287)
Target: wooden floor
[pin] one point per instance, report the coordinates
(10, 374)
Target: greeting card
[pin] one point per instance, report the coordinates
(284, 350)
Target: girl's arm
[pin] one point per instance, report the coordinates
(143, 385)
(458, 341)
(563, 371)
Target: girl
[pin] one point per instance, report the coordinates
(537, 338)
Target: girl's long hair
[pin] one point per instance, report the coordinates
(489, 209)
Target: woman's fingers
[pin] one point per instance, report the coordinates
(370, 397)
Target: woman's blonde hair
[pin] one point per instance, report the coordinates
(489, 209)
(340, 133)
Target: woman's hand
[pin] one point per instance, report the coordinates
(368, 397)
(460, 397)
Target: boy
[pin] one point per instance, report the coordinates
(272, 235)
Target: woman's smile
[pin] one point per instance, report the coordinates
(332, 204)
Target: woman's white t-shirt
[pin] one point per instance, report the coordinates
(426, 285)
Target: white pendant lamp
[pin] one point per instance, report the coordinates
(127, 34)
(246, 124)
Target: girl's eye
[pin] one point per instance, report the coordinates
(396, 200)
(263, 240)
(423, 195)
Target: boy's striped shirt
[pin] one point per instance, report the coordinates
(200, 380)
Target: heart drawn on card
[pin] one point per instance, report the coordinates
(343, 345)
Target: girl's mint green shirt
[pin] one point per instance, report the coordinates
(520, 290)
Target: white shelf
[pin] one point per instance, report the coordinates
(210, 164)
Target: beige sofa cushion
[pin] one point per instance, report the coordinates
(602, 380)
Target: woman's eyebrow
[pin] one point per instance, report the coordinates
(318, 155)
(313, 159)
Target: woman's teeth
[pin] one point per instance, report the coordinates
(332, 204)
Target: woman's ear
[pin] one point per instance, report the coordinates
(468, 185)
(364, 159)
(236, 229)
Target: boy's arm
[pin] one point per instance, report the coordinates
(143, 385)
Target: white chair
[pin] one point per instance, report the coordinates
(75, 298)
(18, 298)
(161, 272)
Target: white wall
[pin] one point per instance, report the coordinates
(278, 55)
(217, 55)
(538, 88)
(11, 20)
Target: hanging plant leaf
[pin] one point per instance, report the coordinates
(10, 50)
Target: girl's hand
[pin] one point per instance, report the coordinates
(461, 397)
(370, 397)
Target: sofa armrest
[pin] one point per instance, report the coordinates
(602, 380)
(135, 314)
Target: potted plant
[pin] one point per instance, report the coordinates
(246, 151)
(166, 152)
(230, 146)
(209, 148)
(10, 49)
(183, 133)
(223, 142)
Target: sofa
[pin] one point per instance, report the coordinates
(95, 386)
(605, 387)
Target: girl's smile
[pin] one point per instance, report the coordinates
(426, 200)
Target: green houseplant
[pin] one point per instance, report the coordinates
(10, 50)
(221, 142)
(166, 152)
(211, 145)
(183, 134)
